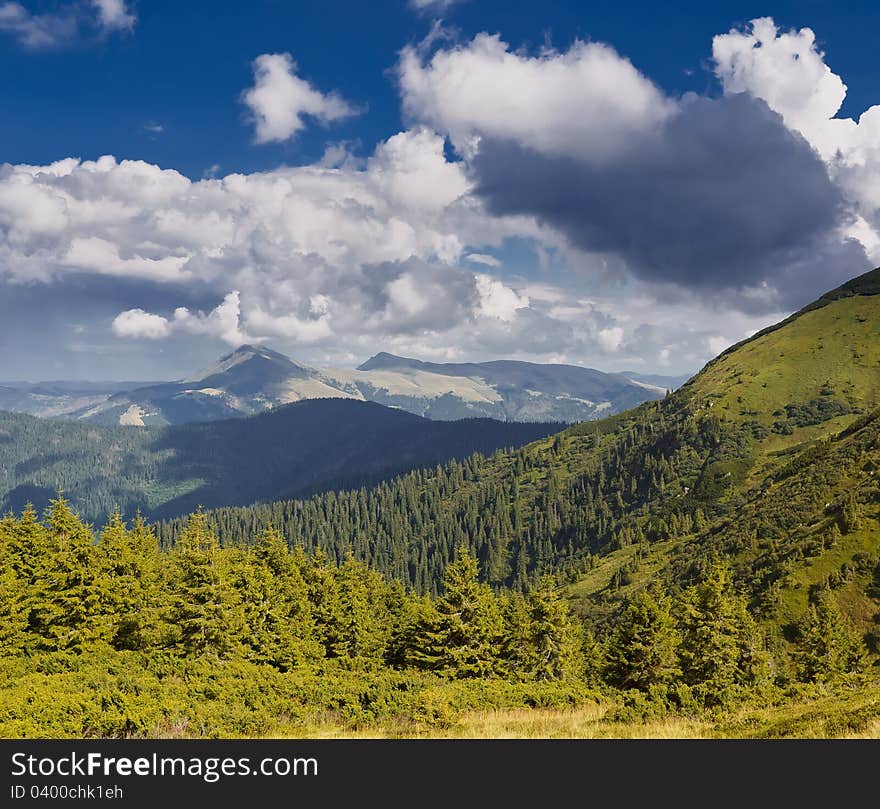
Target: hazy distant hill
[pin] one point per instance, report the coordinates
(57, 399)
(294, 450)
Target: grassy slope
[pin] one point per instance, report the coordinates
(817, 716)
(832, 347)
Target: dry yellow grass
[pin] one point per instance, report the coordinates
(585, 722)
(844, 714)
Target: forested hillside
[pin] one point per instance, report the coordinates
(294, 450)
(117, 638)
(768, 459)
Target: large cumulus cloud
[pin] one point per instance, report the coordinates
(307, 254)
(711, 194)
(788, 71)
(722, 196)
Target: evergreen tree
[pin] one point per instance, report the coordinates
(360, 631)
(70, 588)
(852, 514)
(828, 648)
(200, 615)
(719, 649)
(643, 649)
(553, 640)
(463, 639)
(13, 596)
(274, 611)
(131, 563)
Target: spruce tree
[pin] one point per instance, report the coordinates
(360, 631)
(464, 637)
(13, 596)
(200, 615)
(852, 514)
(720, 649)
(279, 623)
(70, 586)
(643, 650)
(553, 638)
(828, 649)
(516, 648)
(130, 559)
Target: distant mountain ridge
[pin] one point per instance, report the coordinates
(254, 379)
(297, 449)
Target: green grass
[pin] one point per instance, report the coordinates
(836, 345)
(777, 484)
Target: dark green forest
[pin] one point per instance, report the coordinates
(295, 450)
(227, 639)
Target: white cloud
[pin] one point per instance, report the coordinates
(413, 171)
(317, 253)
(114, 15)
(483, 258)
(356, 254)
(498, 300)
(717, 343)
(35, 31)
(100, 256)
(785, 69)
(610, 339)
(788, 71)
(138, 324)
(67, 24)
(279, 99)
(223, 322)
(588, 101)
(433, 6)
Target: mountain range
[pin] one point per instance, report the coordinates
(254, 379)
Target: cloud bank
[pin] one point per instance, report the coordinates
(709, 194)
(556, 206)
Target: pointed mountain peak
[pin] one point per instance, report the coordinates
(247, 350)
(275, 366)
(385, 360)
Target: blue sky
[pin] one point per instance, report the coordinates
(185, 71)
(494, 262)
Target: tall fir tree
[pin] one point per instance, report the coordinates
(720, 648)
(463, 636)
(553, 636)
(71, 587)
(200, 614)
(14, 601)
(130, 559)
(828, 648)
(643, 650)
(279, 625)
